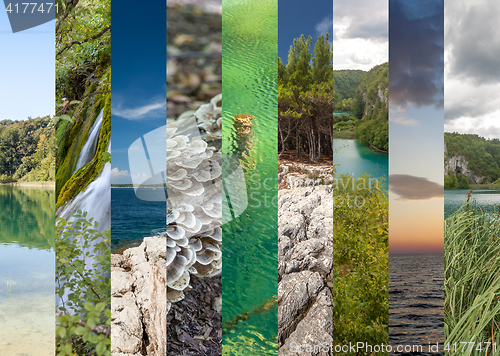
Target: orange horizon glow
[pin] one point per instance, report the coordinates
(416, 226)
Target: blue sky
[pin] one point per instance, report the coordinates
(138, 80)
(27, 71)
(295, 19)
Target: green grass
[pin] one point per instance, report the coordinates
(472, 279)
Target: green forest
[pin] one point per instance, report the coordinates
(309, 90)
(362, 100)
(482, 156)
(27, 150)
(305, 105)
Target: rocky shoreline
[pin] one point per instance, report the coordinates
(305, 233)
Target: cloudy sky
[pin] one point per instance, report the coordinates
(360, 33)
(416, 118)
(295, 18)
(27, 71)
(138, 97)
(472, 67)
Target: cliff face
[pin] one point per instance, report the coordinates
(458, 165)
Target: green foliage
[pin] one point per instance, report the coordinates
(463, 182)
(482, 155)
(346, 81)
(83, 84)
(87, 288)
(305, 90)
(472, 282)
(450, 181)
(360, 259)
(371, 106)
(27, 150)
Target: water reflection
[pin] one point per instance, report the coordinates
(27, 271)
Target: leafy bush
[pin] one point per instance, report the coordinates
(360, 259)
(83, 323)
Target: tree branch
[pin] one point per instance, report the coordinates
(68, 46)
(98, 329)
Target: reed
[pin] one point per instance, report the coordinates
(472, 281)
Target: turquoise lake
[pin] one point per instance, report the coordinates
(356, 159)
(27, 268)
(249, 248)
(489, 199)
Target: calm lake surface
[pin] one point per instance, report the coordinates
(454, 199)
(355, 159)
(249, 249)
(416, 299)
(132, 219)
(27, 271)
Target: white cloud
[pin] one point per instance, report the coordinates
(360, 33)
(326, 25)
(117, 175)
(472, 80)
(399, 115)
(141, 112)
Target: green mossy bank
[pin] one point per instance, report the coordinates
(72, 136)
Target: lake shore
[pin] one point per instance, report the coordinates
(31, 184)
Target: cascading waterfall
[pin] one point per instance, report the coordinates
(95, 200)
(88, 150)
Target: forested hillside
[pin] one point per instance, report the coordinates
(27, 150)
(369, 107)
(482, 156)
(305, 105)
(346, 81)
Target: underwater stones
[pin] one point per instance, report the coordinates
(194, 203)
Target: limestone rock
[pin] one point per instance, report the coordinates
(138, 300)
(305, 248)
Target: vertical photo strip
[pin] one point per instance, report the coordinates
(194, 177)
(249, 172)
(138, 163)
(416, 119)
(305, 107)
(27, 195)
(82, 174)
(471, 177)
(360, 187)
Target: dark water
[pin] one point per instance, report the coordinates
(416, 300)
(249, 249)
(355, 159)
(132, 219)
(27, 269)
(489, 199)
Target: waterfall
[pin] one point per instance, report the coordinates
(88, 150)
(95, 199)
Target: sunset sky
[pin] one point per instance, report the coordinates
(416, 119)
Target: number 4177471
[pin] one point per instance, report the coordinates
(31, 7)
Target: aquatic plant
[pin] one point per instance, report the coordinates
(472, 280)
(83, 322)
(9, 285)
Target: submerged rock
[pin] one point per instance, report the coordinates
(305, 248)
